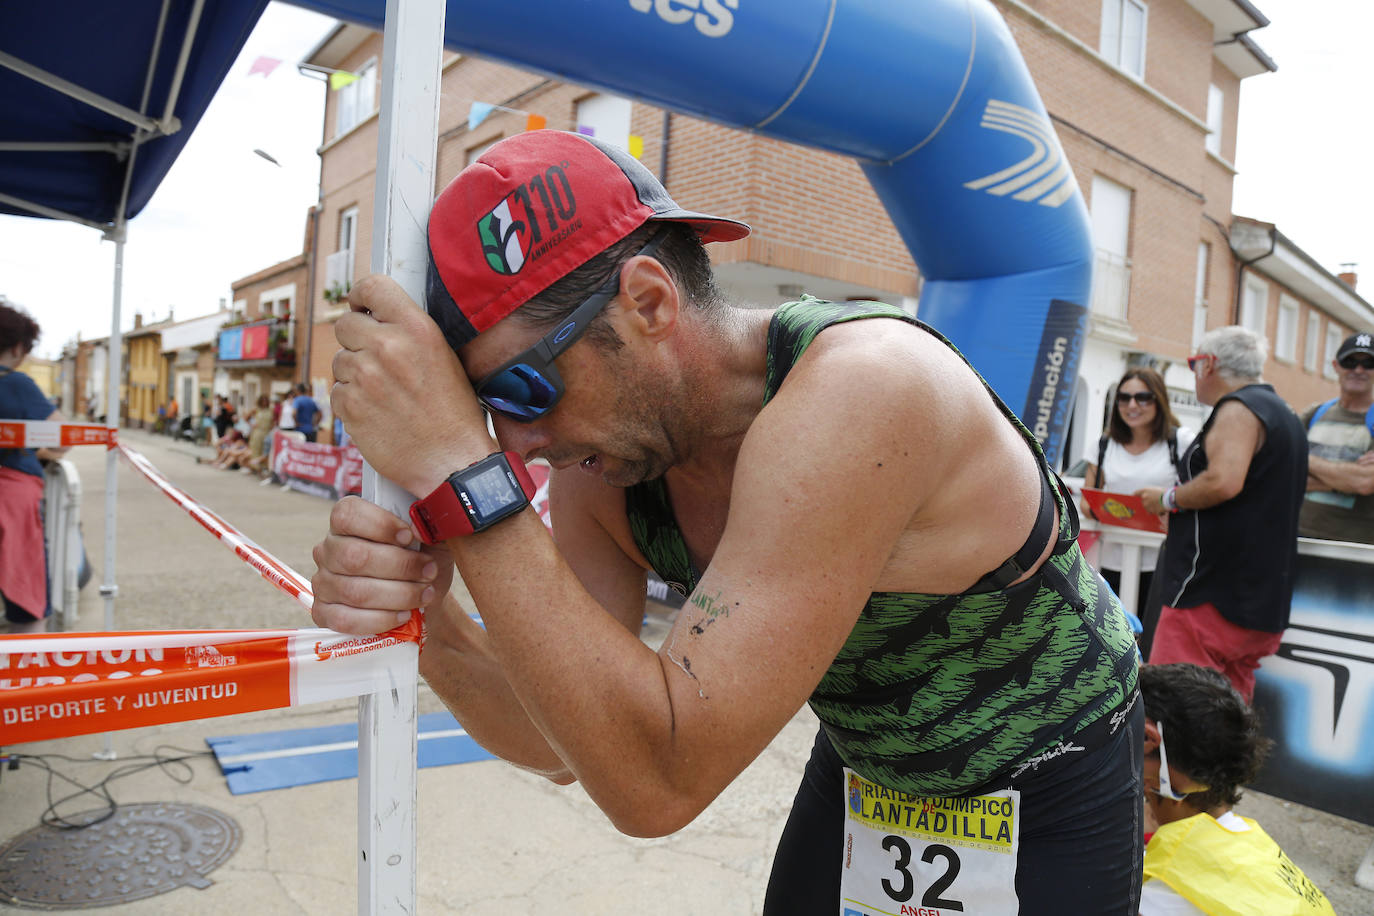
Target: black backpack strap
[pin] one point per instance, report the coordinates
(1101, 456)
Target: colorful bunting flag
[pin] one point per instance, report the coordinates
(478, 113)
(586, 131)
(264, 65)
(340, 79)
(535, 122)
(636, 146)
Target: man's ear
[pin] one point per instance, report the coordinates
(1151, 736)
(649, 299)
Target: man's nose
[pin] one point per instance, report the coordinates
(525, 439)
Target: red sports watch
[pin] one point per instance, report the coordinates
(477, 497)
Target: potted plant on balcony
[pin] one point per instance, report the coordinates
(338, 292)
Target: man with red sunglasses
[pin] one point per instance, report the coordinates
(1232, 548)
(857, 520)
(1340, 464)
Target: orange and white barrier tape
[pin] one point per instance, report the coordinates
(51, 434)
(55, 686)
(271, 569)
(59, 686)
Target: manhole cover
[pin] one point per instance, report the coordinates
(142, 851)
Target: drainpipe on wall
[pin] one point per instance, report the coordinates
(1240, 272)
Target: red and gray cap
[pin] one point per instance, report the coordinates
(530, 210)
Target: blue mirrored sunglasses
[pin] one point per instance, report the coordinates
(528, 386)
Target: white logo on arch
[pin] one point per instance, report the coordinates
(1044, 175)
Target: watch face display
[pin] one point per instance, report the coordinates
(491, 490)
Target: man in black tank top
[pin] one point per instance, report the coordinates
(1232, 548)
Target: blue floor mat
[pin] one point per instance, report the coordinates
(295, 757)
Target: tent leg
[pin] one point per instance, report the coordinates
(108, 589)
(412, 53)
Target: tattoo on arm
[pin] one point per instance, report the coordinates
(715, 607)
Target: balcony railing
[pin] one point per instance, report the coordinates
(271, 340)
(338, 271)
(1111, 284)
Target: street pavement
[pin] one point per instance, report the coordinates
(492, 839)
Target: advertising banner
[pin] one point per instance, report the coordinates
(231, 344)
(323, 470)
(255, 340)
(1316, 694)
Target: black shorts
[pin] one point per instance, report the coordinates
(1081, 848)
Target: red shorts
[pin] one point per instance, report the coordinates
(1202, 636)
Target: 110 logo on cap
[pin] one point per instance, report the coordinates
(511, 233)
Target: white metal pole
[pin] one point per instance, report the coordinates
(412, 54)
(108, 589)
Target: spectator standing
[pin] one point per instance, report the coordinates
(307, 411)
(224, 415)
(1340, 465)
(1141, 448)
(262, 425)
(1230, 556)
(287, 419)
(1205, 858)
(23, 557)
(173, 417)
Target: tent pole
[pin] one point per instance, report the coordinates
(412, 54)
(108, 589)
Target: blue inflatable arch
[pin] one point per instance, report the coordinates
(931, 98)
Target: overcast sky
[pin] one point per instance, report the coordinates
(222, 213)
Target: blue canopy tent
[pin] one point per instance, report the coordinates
(98, 99)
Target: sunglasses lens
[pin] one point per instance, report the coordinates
(1141, 397)
(1364, 362)
(520, 392)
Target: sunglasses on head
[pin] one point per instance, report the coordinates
(1140, 397)
(528, 386)
(1363, 360)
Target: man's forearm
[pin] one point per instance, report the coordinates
(1204, 491)
(1342, 476)
(459, 666)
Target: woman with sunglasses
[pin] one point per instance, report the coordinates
(1204, 857)
(1139, 449)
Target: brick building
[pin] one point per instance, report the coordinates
(258, 349)
(1144, 96)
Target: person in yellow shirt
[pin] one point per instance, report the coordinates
(1205, 858)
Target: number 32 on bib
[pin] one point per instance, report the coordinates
(912, 855)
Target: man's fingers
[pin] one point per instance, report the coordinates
(369, 593)
(350, 556)
(356, 621)
(356, 517)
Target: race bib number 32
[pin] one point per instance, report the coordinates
(911, 855)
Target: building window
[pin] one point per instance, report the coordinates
(607, 118)
(1216, 107)
(1111, 220)
(1333, 343)
(1286, 332)
(476, 151)
(1310, 348)
(357, 100)
(1204, 256)
(1123, 35)
(1254, 305)
(338, 267)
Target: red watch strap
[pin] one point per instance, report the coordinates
(440, 515)
(441, 510)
